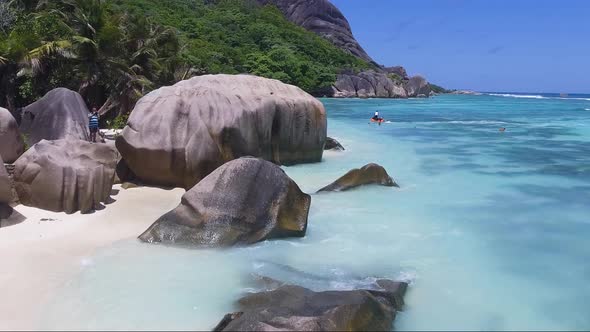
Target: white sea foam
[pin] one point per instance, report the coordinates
(465, 122)
(510, 95)
(586, 109)
(407, 276)
(86, 262)
(477, 122)
(517, 96)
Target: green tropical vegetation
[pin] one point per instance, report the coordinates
(115, 51)
(438, 89)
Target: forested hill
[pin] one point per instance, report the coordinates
(114, 51)
(241, 36)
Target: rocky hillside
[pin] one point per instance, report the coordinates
(115, 51)
(324, 19)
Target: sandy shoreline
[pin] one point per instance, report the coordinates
(38, 256)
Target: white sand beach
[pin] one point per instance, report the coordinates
(42, 253)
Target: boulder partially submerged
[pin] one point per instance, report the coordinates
(177, 135)
(242, 202)
(294, 308)
(368, 174)
(11, 142)
(60, 114)
(332, 144)
(65, 175)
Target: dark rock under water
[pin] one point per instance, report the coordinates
(295, 308)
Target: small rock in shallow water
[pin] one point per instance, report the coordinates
(368, 174)
(332, 144)
(294, 308)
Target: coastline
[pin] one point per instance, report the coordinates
(39, 256)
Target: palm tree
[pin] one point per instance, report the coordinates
(115, 59)
(22, 54)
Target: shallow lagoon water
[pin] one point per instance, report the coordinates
(489, 228)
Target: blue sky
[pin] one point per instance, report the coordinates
(485, 45)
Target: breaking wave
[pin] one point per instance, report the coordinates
(510, 95)
(517, 96)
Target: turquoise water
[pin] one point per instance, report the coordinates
(491, 229)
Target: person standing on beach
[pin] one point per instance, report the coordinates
(93, 124)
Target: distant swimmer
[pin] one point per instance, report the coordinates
(502, 130)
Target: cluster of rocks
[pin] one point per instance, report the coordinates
(380, 83)
(223, 139)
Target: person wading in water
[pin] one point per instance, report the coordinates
(93, 124)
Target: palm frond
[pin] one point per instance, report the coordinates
(34, 58)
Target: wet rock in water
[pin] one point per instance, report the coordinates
(246, 200)
(368, 174)
(66, 175)
(60, 114)
(332, 144)
(11, 142)
(177, 135)
(294, 308)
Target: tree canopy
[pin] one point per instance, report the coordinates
(115, 51)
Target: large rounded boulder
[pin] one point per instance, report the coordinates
(60, 114)
(66, 175)
(11, 142)
(368, 174)
(177, 135)
(245, 201)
